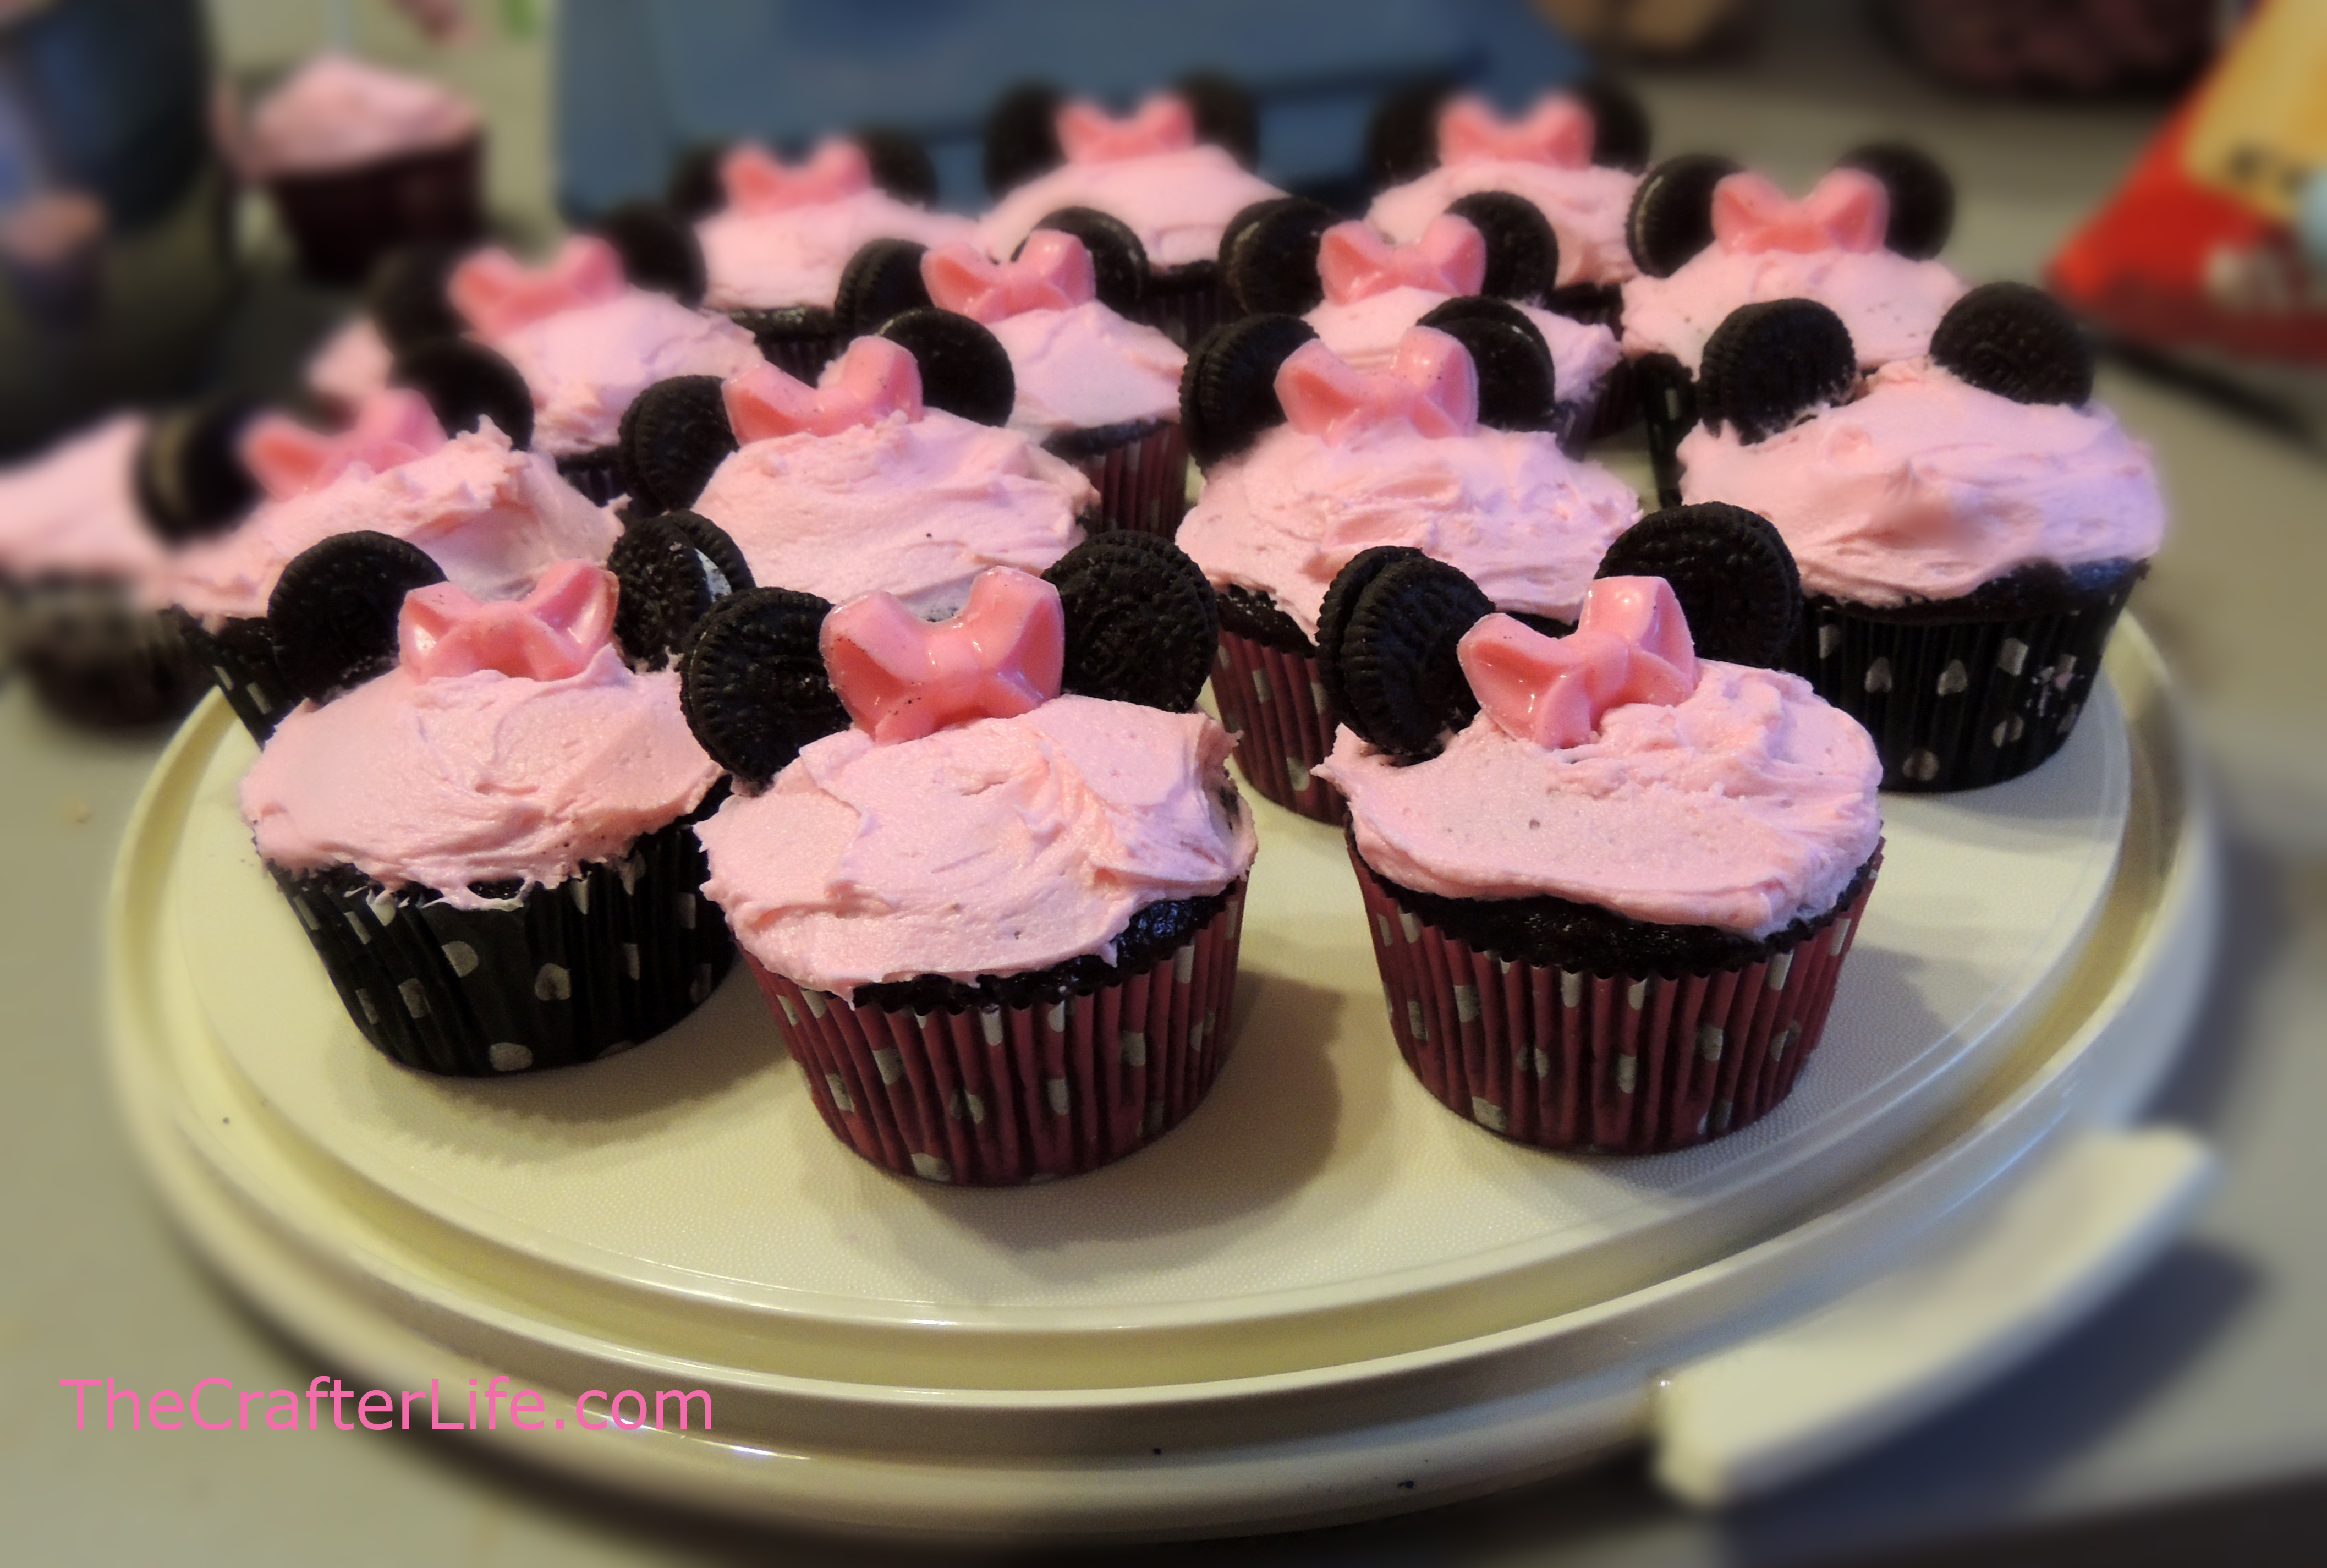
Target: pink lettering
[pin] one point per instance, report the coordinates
(165, 1402)
(528, 1403)
(81, 1388)
(194, 1402)
(387, 1410)
(112, 1399)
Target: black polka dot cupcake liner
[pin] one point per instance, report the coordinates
(93, 656)
(239, 657)
(597, 473)
(799, 340)
(1140, 470)
(1183, 302)
(1575, 1060)
(603, 961)
(1274, 702)
(1001, 1097)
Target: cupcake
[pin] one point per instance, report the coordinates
(1969, 522)
(776, 236)
(1176, 173)
(1308, 462)
(480, 813)
(989, 873)
(1361, 292)
(1093, 386)
(359, 160)
(1611, 877)
(1709, 238)
(895, 472)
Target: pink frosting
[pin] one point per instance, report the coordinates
(990, 848)
(1366, 334)
(1177, 203)
(1746, 806)
(1526, 522)
(1925, 487)
(1085, 368)
(336, 113)
(1890, 303)
(493, 518)
(476, 778)
(73, 511)
(352, 364)
(762, 261)
(1587, 208)
(585, 365)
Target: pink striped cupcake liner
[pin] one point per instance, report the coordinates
(1603, 1064)
(999, 1096)
(1143, 484)
(1274, 702)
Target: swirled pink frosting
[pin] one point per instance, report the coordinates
(585, 365)
(990, 848)
(492, 517)
(337, 113)
(1585, 208)
(1925, 487)
(1529, 523)
(1366, 332)
(73, 511)
(762, 261)
(1890, 303)
(476, 778)
(914, 507)
(352, 365)
(1746, 806)
(1087, 367)
(1177, 203)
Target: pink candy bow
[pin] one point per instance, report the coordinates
(1431, 385)
(1558, 131)
(553, 632)
(1354, 263)
(1087, 133)
(757, 182)
(391, 427)
(873, 380)
(901, 678)
(496, 293)
(1632, 646)
(1848, 210)
(1052, 273)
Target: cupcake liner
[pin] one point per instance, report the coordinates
(597, 473)
(997, 1096)
(1184, 303)
(1141, 477)
(345, 221)
(1274, 702)
(1959, 705)
(93, 656)
(1631, 1064)
(1666, 397)
(595, 964)
(238, 656)
(799, 340)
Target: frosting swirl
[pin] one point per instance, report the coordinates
(1085, 368)
(336, 113)
(1890, 303)
(1177, 203)
(1585, 207)
(1365, 333)
(585, 365)
(767, 260)
(73, 511)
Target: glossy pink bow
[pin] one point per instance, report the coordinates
(1052, 273)
(757, 182)
(496, 293)
(1430, 385)
(1087, 133)
(1848, 210)
(873, 380)
(553, 632)
(901, 678)
(391, 427)
(1632, 646)
(1558, 131)
(1355, 263)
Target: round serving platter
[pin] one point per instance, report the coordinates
(1324, 1296)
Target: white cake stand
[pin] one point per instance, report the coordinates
(1323, 1296)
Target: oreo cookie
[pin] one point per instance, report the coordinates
(1142, 625)
(1671, 216)
(1517, 388)
(1022, 136)
(1341, 595)
(332, 616)
(1922, 197)
(1402, 137)
(1225, 114)
(1228, 393)
(405, 297)
(694, 190)
(1730, 569)
(753, 686)
(669, 581)
(2016, 342)
(659, 251)
(1401, 685)
(466, 383)
(901, 165)
(965, 368)
(882, 279)
(1522, 252)
(672, 438)
(1119, 261)
(1619, 123)
(188, 473)
(1767, 365)
(1268, 255)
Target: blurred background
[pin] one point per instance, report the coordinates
(143, 260)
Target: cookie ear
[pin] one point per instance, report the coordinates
(694, 191)
(1119, 261)
(1394, 676)
(672, 438)
(466, 382)
(1143, 625)
(882, 279)
(1268, 255)
(1022, 136)
(1522, 252)
(188, 473)
(753, 684)
(658, 251)
(672, 568)
(901, 165)
(1226, 114)
(1228, 393)
(965, 370)
(332, 616)
(2018, 342)
(406, 299)
(1402, 138)
(1517, 388)
(1671, 216)
(1730, 569)
(1768, 364)
(1619, 123)
(1922, 197)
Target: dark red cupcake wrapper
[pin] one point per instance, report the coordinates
(999, 1096)
(1274, 702)
(1608, 1064)
(93, 656)
(345, 221)
(1142, 483)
